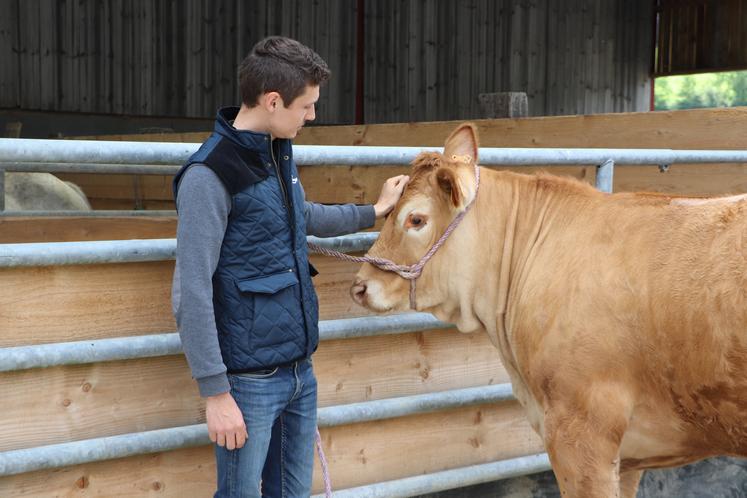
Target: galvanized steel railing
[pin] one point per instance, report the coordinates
(152, 158)
(130, 251)
(168, 344)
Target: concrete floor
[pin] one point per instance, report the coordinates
(712, 478)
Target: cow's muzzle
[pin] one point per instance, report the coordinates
(358, 292)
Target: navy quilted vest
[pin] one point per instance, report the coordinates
(266, 309)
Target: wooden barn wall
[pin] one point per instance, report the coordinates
(433, 59)
(700, 36)
(425, 60)
(161, 57)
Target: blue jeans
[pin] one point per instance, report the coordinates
(279, 408)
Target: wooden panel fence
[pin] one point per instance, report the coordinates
(77, 402)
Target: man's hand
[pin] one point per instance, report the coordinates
(390, 194)
(225, 421)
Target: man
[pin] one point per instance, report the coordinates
(245, 307)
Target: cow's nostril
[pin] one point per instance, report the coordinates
(358, 291)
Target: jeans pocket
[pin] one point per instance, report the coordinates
(258, 374)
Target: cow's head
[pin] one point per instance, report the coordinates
(441, 186)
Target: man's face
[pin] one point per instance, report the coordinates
(287, 121)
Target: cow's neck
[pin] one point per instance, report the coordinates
(512, 218)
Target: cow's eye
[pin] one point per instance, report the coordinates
(416, 221)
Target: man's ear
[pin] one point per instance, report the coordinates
(449, 185)
(461, 146)
(271, 101)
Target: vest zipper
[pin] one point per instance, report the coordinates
(292, 223)
(285, 196)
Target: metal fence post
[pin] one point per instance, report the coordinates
(2, 190)
(605, 172)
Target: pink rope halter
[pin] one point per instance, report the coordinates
(408, 272)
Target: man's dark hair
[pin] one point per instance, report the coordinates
(279, 64)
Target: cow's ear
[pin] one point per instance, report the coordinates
(448, 181)
(462, 144)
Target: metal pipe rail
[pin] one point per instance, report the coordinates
(151, 156)
(160, 158)
(124, 445)
(131, 251)
(168, 344)
(449, 479)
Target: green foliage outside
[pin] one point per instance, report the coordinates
(701, 90)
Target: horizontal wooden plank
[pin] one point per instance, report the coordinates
(187, 473)
(130, 204)
(67, 303)
(187, 137)
(700, 180)
(714, 128)
(333, 288)
(383, 367)
(358, 454)
(71, 229)
(99, 186)
(59, 404)
(407, 446)
(685, 129)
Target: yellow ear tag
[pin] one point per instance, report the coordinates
(466, 159)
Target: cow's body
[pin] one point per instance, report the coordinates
(621, 319)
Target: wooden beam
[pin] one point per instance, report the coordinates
(41, 305)
(67, 303)
(682, 129)
(189, 472)
(16, 230)
(407, 446)
(686, 129)
(71, 403)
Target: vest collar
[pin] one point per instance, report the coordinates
(259, 142)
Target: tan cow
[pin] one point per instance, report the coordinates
(621, 319)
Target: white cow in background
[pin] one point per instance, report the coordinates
(42, 192)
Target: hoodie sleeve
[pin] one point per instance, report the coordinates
(331, 220)
(203, 205)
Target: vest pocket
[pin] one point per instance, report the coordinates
(269, 284)
(276, 310)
